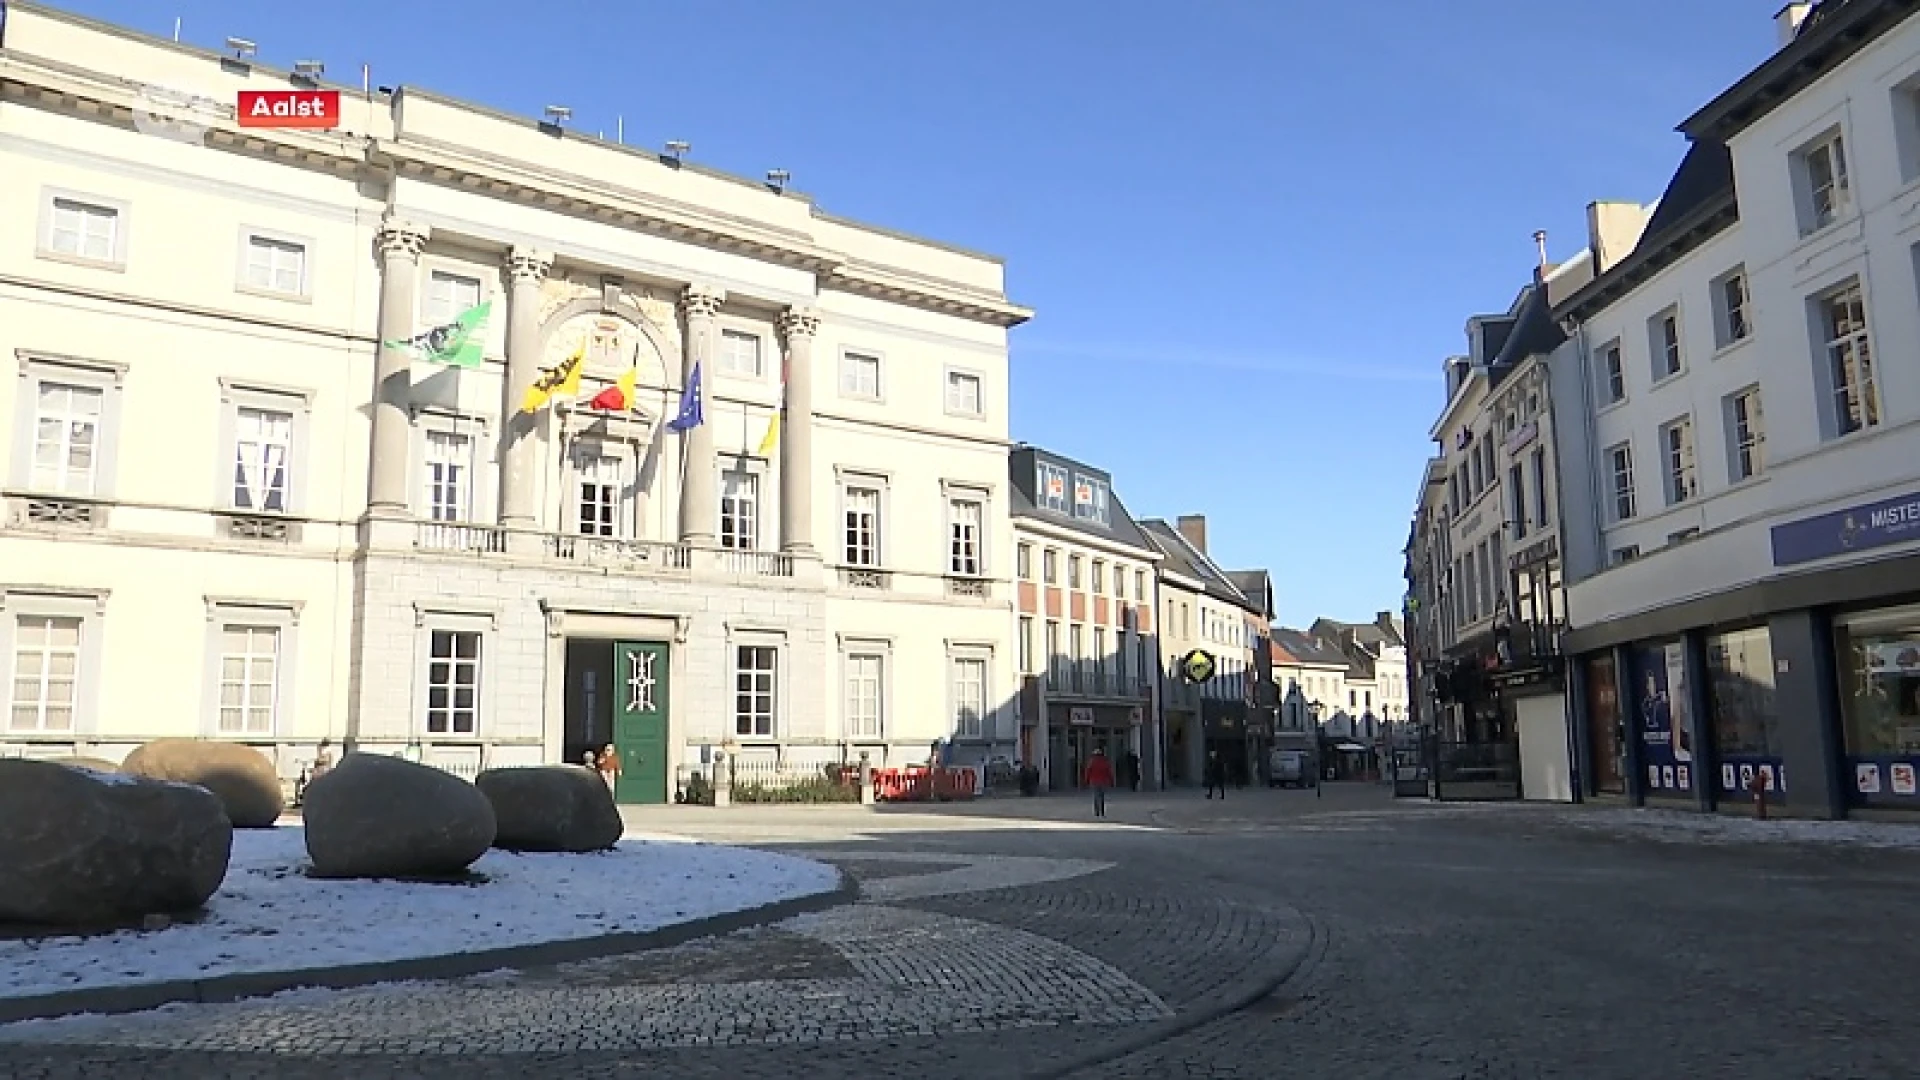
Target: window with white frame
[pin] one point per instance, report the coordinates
(1676, 442)
(1097, 584)
(599, 487)
(866, 694)
(1090, 499)
(1821, 182)
(1050, 566)
(275, 265)
(1746, 434)
(1613, 373)
(1517, 500)
(448, 297)
(66, 437)
(249, 679)
(1023, 561)
(1050, 487)
(453, 682)
(1730, 318)
(1077, 650)
(1663, 332)
(1139, 584)
(740, 355)
(262, 453)
(1102, 659)
(79, 228)
(756, 686)
(46, 659)
(860, 375)
(1026, 645)
(1620, 463)
(861, 518)
(963, 393)
(1073, 572)
(1541, 505)
(966, 529)
(1056, 660)
(1906, 127)
(969, 696)
(1849, 360)
(449, 476)
(740, 509)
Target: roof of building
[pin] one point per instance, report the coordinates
(1120, 526)
(1297, 647)
(1832, 33)
(1698, 204)
(1257, 586)
(1535, 333)
(1185, 559)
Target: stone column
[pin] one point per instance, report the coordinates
(699, 511)
(798, 325)
(526, 269)
(400, 245)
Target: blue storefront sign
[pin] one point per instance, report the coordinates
(1857, 528)
(1659, 696)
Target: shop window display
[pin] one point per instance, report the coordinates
(1879, 676)
(1746, 719)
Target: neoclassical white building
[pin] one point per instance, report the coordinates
(237, 506)
(1741, 466)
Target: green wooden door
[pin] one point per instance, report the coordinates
(640, 720)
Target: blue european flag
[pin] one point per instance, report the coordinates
(690, 415)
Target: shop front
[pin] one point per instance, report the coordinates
(1225, 725)
(1660, 699)
(1744, 715)
(1075, 731)
(1605, 763)
(1877, 668)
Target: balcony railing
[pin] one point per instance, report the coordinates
(1526, 644)
(617, 553)
(757, 563)
(460, 536)
(1097, 684)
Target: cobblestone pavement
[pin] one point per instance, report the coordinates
(1423, 942)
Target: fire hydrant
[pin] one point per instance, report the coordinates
(1758, 785)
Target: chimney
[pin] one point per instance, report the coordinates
(1613, 229)
(1540, 246)
(1194, 528)
(1788, 19)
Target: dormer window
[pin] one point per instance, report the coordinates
(1050, 487)
(1090, 499)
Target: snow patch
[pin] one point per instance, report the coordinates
(269, 916)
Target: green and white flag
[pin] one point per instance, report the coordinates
(459, 343)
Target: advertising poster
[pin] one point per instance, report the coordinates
(1663, 719)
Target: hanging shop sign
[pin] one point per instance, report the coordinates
(1197, 666)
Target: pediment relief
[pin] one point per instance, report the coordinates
(612, 345)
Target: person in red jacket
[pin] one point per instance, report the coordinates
(1099, 777)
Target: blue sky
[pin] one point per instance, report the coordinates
(1251, 228)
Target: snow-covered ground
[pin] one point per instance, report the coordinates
(1688, 827)
(269, 916)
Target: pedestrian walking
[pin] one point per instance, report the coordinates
(1133, 771)
(610, 768)
(1099, 777)
(1216, 775)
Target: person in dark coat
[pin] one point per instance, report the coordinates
(1216, 774)
(1133, 771)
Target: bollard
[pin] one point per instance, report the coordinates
(722, 781)
(1758, 785)
(866, 780)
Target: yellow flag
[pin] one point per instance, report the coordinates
(562, 381)
(772, 437)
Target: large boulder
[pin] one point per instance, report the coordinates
(551, 808)
(242, 777)
(80, 848)
(373, 816)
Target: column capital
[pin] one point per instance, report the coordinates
(800, 322)
(528, 266)
(403, 238)
(702, 301)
